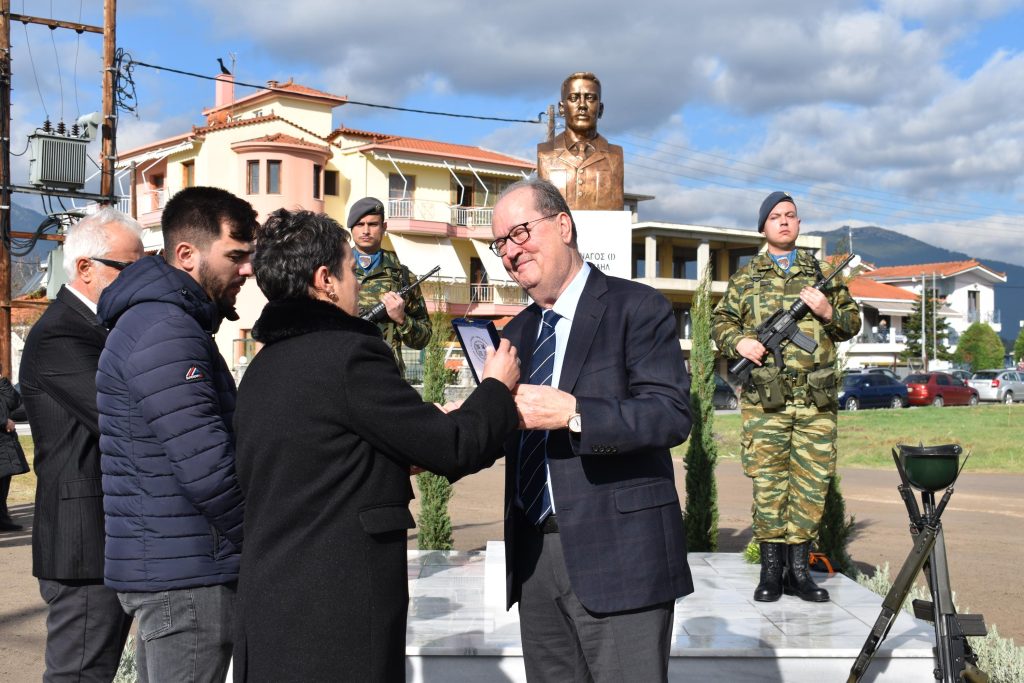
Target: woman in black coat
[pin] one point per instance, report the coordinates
(12, 458)
(327, 430)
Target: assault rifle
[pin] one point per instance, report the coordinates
(782, 326)
(379, 312)
(928, 468)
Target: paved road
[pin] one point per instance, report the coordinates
(983, 524)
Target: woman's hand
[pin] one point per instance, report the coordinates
(10, 426)
(503, 364)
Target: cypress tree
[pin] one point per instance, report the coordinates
(435, 525)
(701, 512)
(836, 530)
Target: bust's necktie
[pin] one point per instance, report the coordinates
(533, 475)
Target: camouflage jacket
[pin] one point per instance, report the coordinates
(760, 288)
(391, 276)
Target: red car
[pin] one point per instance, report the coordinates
(938, 389)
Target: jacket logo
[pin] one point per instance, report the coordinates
(194, 374)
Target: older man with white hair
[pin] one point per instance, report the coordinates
(86, 626)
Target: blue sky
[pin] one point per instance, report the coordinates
(899, 113)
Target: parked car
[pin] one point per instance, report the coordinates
(938, 389)
(874, 370)
(962, 375)
(871, 390)
(725, 395)
(1004, 386)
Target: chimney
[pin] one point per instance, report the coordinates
(224, 93)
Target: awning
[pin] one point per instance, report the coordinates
(905, 308)
(464, 167)
(421, 254)
(898, 308)
(158, 153)
(496, 272)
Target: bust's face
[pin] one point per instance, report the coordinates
(581, 106)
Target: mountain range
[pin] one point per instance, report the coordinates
(882, 247)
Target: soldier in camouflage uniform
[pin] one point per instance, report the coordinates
(789, 413)
(381, 276)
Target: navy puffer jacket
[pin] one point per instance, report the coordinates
(166, 400)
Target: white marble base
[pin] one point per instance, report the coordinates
(458, 629)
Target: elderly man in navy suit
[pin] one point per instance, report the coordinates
(594, 540)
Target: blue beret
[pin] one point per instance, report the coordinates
(767, 205)
(364, 207)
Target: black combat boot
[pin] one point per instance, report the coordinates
(798, 579)
(770, 588)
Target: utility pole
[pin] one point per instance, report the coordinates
(109, 115)
(5, 190)
(935, 323)
(551, 122)
(924, 323)
(6, 187)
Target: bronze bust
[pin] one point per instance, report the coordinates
(580, 162)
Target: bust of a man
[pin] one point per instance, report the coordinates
(580, 162)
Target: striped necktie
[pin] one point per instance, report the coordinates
(533, 479)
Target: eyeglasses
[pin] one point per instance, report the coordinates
(518, 235)
(116, 265)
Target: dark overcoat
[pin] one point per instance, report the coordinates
(58, 383)
(327, 429)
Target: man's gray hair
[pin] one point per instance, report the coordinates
(546, 198)
(88, 237)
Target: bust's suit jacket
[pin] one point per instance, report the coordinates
(591, 183)
(58, 385)
(618, 512)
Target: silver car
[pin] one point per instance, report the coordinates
(1004, 386)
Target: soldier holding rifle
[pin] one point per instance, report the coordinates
(381, 276)
(789, 410)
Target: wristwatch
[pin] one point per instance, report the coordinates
(575, 422)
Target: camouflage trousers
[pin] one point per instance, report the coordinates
(790, 455)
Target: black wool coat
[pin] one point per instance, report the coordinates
(326, 431)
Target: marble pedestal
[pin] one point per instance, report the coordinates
(459, 631)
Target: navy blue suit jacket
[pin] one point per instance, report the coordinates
(618, 512)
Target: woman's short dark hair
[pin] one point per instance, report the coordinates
(290, 246)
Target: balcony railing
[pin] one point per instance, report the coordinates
(991, 317)
(472, 216)
(459, 291)
(440, 212)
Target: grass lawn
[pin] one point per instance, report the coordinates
(993, 433)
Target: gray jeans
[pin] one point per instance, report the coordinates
(185, 635)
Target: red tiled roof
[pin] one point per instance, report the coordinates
(284, 139)
(946, 269)
(865, 288)
(288, 87)
(353, 133)
(449, 149)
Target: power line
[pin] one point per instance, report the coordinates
(56, 56)
(133, 62)
(32, 63)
